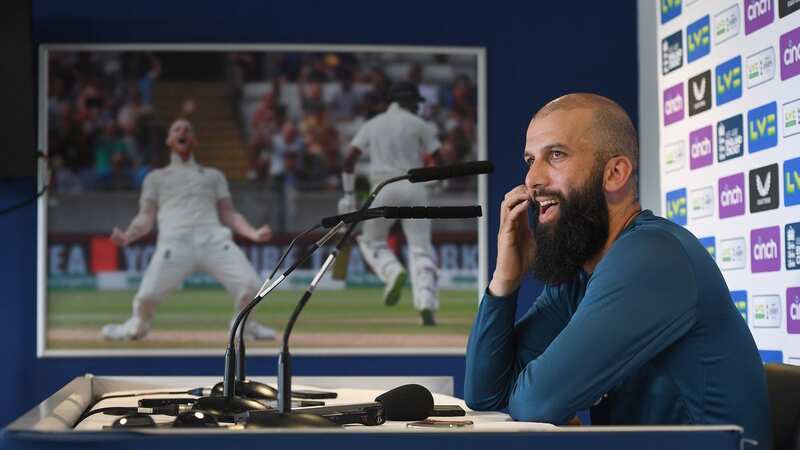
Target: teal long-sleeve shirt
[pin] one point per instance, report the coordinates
(652, 333)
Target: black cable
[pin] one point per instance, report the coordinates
(41, 192)
(197, 392)
(168, 410)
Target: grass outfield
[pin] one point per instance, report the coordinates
(199, 318)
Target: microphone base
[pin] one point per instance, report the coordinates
(248, 389)
(227, 409)
(269, 419)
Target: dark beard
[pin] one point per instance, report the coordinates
(579, 233)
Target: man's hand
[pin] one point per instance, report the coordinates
(119, 237)
(347, 204)
(262, 234)
(514, 243)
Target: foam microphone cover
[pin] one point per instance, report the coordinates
(407, 402)
(445, 172)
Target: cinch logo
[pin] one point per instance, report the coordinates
(762, 127)
(726, 24)
(674, 156)
(757, 15)
(792, 247)
(672, 52)
(701, 202)
(730, 138)
(790, 54)
(670, 9)
(766, 311)
(791, 117)
(740, 302)
(786, 7)
(764, 188)
(700, 93)
(732, 253)
(760, 67)
(793, 310)
(698, 39)
(731, 195)
(710, 244)
(673, 104)
(701, 148)
(791, 185)
(676, 206)
(729, 80)
(765, 253)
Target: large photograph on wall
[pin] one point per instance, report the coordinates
(181, 173)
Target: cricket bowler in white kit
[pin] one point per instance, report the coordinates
(397, 140)
(195, 217)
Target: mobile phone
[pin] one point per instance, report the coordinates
(435, 423)
(310, 393)
(447, 411)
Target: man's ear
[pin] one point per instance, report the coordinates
(618, 171)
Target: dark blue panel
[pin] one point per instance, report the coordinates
(119, 440)
(535, 52)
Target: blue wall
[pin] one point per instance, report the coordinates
(535, 52)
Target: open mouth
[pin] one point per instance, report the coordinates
(183, 141)
(547, 209)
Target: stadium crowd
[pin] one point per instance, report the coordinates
(102, 131)
(296, 110)
(300, 121)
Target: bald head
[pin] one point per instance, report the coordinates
(611, 128)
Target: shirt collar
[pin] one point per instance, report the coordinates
(177, 161)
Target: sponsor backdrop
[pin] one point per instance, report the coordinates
(729, 80)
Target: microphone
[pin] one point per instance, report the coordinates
(432, 212)
(455, 170)
(231, 404)
(403, 403)
(406, 212)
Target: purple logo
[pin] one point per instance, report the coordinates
(793, 310)
(701, 147)
(765, 250)
(673, 104)
(731, 195)
(757, 14)
(790, 54)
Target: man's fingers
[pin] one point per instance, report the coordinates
(519, 210)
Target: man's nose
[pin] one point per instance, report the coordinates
(536, 178)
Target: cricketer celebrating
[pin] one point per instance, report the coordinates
(195, 217)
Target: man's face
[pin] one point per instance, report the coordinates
(181, 137)
(565, 181)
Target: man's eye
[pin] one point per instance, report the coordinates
(555, 154)
(528, 162)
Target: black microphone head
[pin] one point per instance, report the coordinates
(455, 170)
(407, 402)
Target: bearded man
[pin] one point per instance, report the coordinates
(635, 321)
